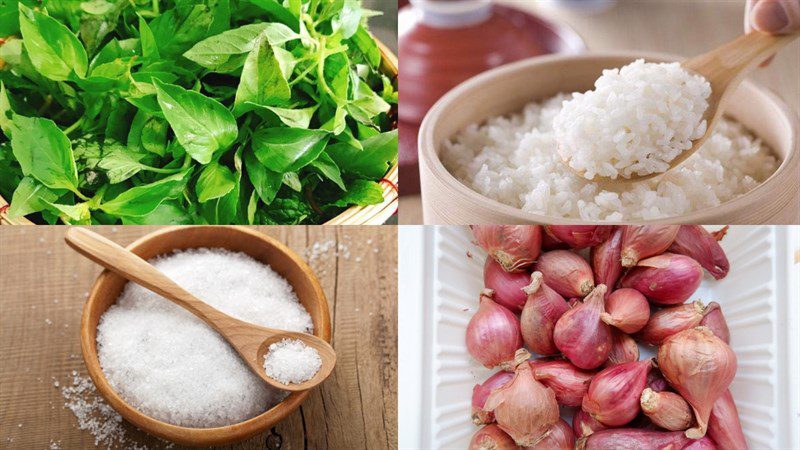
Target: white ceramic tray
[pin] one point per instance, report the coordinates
(441, 283)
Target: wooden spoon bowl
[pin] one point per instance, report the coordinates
(265, 249)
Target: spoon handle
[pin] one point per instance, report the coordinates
(728, 63)
(130, 266)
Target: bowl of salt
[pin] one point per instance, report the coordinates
(170, 374)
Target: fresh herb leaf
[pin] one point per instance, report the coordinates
(362, 193)
(262, 82)
(201, 124)
(288, 149)
(53, 49)
(372, 162)
(214, 181)
(44, 152)
(142, 200)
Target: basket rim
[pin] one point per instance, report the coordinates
(354, 215)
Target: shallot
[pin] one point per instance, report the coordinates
(560, 437)
(491, 437)
(580, 334)
(694, 241)
(579, 236)
(715, 321)
(668, 410)
(668, 321)
(524, 408)
(627, 310)
(568, 382)
(624, 349)
(633, 439)
(704, 443)
(543, 308)
(480, 392)
(700, 366)
(724, 426)
(507, 286)
(566, 273)
(493, 334)
(613, 396)
(643, 241)
(666, 279)
(606, 260)
(584, 424)
(515, 247)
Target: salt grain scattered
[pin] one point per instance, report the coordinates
(172, 366)
(94, 414)
(291, 361)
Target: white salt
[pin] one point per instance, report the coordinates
(94, 415)
(172, 366)
(291, 361)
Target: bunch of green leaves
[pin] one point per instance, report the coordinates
(191, 111)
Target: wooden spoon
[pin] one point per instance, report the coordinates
(250, 341)
(724, 68)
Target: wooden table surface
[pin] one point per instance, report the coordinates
(682, 27)
(43, 284)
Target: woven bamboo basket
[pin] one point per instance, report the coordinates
(356, 215)
(445, 200)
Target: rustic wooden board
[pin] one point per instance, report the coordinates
(670, 26)
(43, 284)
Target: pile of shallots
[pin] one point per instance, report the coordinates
(583, 298)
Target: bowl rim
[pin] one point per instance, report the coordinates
(428, 153)
(187, 435)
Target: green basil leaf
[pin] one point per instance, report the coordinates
(336, 81)
(366, 104)
(54, 51)
(120, 163)
(5, 111)
(214, 181)
(266, 182)
(148, 41)
(225, 209)
(178, 29)
(279, 12)
(366, 45)
(348, 20)
(226, 51)
(167, 213)
(262, 81)
(288, 149)
(292, 180)
(77, 214)
(378, 153)
(142, 200)
(294, 118)
(361, 193)
(29, 197)
(44, 152)
(328, 168)
(201, 124)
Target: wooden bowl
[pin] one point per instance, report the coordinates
(507, 89)
(355, 215)
(280, 258)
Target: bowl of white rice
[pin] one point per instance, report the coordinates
(200, 393)
(489, 154)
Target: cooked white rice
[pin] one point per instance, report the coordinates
(514, 160)
(636, 120)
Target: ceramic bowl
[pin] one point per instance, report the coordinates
(280, 258)
(507, 89)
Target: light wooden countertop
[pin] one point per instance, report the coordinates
(683, 27)
(43, 284)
